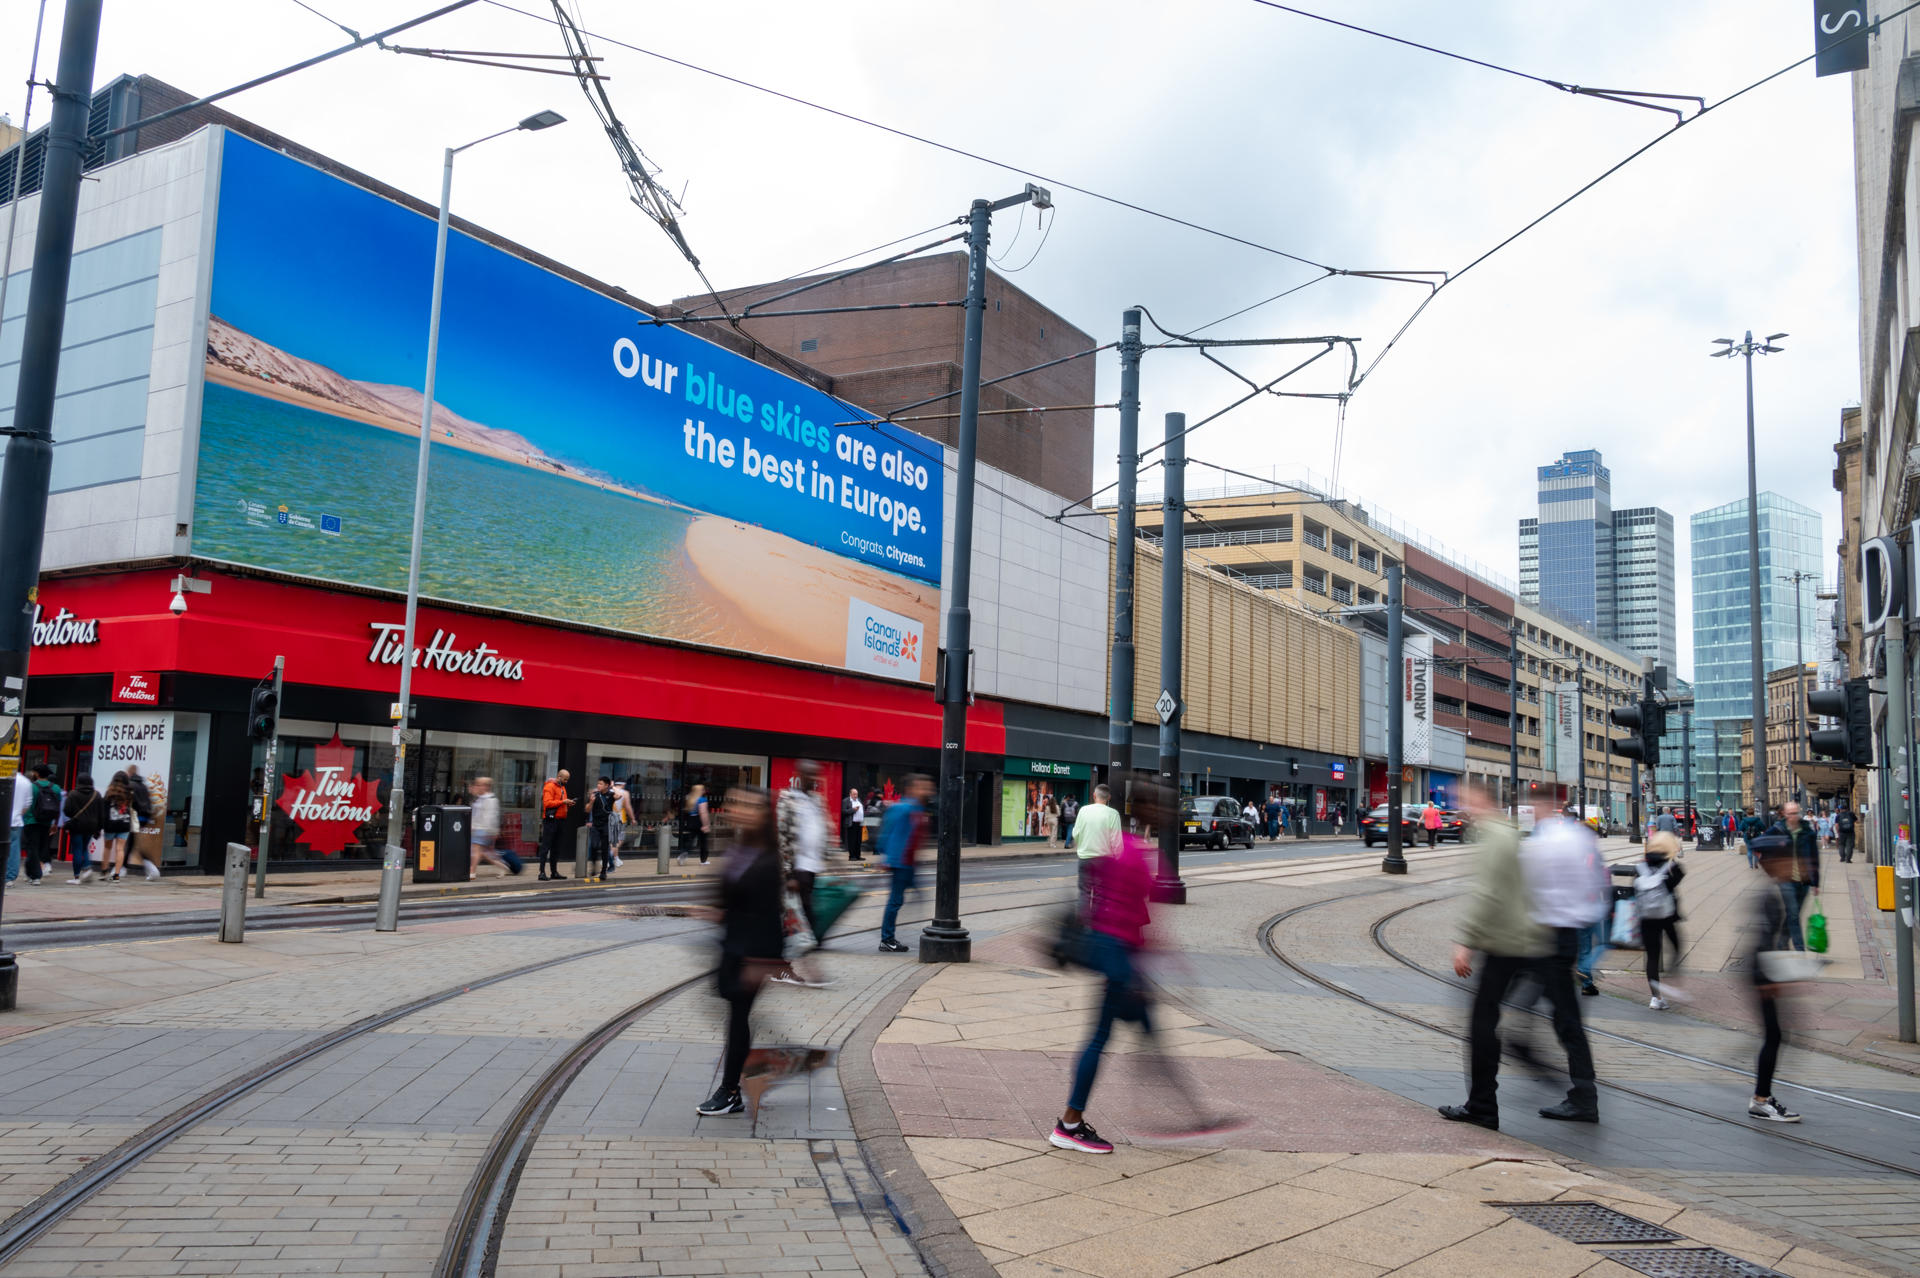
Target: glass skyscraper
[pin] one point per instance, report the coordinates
(1790, 541)
(1610, 571)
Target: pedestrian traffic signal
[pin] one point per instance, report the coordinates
(1852, 741)
(263, 713)
(1647, 721)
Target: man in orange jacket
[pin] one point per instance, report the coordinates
(553, 819)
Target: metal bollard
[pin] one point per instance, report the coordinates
(580, 854)
(233, 894)
(665, 840)
(386, 915)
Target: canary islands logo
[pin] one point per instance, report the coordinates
(882, 642)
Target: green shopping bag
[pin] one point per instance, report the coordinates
(1817, 929)
(831, 897)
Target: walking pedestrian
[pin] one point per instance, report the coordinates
(22, 801)
(117, 828)
(1430, 822)
(853, 816)
(802, 837)
(1655, 880)
(1751, 827)
(145, 819)
(699, 819)
(554, 804)
(485, 825)
(85, 814)
(1525, 919)
(1273, 815)
(749, 903)
(619, 820)
(1069, 814)
(901, 831)
(1805, 879)
(1773, 912)
(599, 809)
(1843, 823)
(37, 824)
(1050, 821)
(1664, 822)
(1095, 834)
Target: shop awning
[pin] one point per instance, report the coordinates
(1824, 778)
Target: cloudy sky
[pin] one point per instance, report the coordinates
(1591, 331)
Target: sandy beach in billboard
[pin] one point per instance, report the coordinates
(796, 594)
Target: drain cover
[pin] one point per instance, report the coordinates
(1690, 1262)
(1588, 1222)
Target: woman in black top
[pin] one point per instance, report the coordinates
(86, 813)
(117, 828)
(1771, 931)
(751, 899)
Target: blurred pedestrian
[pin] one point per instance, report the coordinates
(22, 801)
(116, 828)
(1050, 821)
(749, 902)
(554, 805)
(1655, 880)
(1430, 822)
(1805, 878)
(1843, 824)
(85, 814)
(802, 838)
(1774, 911)
(853, 815)
(902, 830)
(485, 826)
(699, 821)
(1095, 834)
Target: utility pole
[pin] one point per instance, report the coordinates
(29, 456)
(267, 774)
(1120, 690)
(1797, 576)
(944, 940)
(1396, 858)
(1686, 768)
(1896, 797)
(1513, 720)
(1167, 885)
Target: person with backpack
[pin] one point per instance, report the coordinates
(1843, 823)
(38, 821)
(117, 828)
(1655, 879)
(86, 814)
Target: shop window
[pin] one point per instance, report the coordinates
(518, 767)
(652, 777)
(339, 790)
(720, 773)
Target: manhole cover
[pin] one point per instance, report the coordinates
(1588, 1222)
(1690, 1262)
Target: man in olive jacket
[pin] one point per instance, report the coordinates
(1498, 925)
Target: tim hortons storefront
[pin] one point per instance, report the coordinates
(117, 677)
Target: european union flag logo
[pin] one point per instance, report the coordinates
(330, 524)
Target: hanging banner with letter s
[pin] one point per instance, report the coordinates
(1416, 701)
(1839, 36)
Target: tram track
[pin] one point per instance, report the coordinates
(1304, 970)
(489, 1197)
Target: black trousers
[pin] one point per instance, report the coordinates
(1769, 1045)
(1433, 836)
(1555, 975)
(737, 987)
(33, 848)
(550, 828)
(1653, 934)
(1846, 846)
(598, 851)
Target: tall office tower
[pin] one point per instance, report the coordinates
(1722, 629)
(1608, 570)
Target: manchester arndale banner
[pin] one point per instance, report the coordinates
(1569, 731)
(1416, 701)
(589, 466)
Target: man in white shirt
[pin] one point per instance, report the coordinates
(485, 827)
(802, 824)
(1096, 832)
(22, 796)
(1567, 890)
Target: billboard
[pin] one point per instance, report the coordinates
(589, 466)
(1569, 732)
(1416, 700)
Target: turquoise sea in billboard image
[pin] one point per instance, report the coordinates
(499, 535)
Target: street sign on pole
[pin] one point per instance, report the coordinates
(1166, 706)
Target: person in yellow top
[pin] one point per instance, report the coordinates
(554, 804)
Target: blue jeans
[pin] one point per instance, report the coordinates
(13, 855)
(902, 883)
(1124, 1001)
(1797, 895)
(1593, 947)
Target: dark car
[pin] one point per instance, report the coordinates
(1373, 826)
(1216, 821)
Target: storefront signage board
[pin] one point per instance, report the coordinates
(1047, 768)
(132, 737)
(330, 801)
(136, 688)
(593, 466)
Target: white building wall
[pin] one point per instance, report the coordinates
(1038, 595)
(166, 190)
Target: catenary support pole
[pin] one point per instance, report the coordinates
(1167, 885)
(1396, 859)
(268, 772)
(1513, 720)
(29, 455)
(1758, 708)
(1120, 689)
(1686, 770)
(1896, 797)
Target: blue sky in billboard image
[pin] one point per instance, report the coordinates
(338, 277)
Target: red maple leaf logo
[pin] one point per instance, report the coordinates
(330, 802)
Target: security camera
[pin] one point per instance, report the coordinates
(179, 604)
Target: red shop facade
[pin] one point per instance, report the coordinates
(116, 674)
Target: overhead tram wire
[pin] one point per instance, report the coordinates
(1055, 182)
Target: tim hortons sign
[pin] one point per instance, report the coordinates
(330, 801)
(441, 653)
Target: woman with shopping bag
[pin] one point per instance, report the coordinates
(1655, 878)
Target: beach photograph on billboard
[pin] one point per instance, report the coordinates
(589, 465)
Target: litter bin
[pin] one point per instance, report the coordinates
(442, 844)
(1711, 839)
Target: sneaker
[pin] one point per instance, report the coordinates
(786, 977)
(892, 947)
(1658, 1004)
(153, 871)
(71, 882)
(1080, 1136)
(618, 862)
(1773, 1111)
(723, 1101)
(33, 882)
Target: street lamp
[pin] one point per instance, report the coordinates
(1796, 577)
(387, 915)
(1748, 348)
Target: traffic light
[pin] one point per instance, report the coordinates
(1852, 741)
(263, 712)
(1647, 721)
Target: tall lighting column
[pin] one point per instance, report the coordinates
(387, 911)
(1748, 348)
